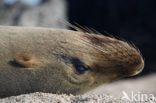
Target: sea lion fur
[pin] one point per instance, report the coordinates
(34, 59)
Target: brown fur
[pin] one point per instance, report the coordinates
(44, 60)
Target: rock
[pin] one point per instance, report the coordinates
(49, 14)
(142, 85)
(109, 93)
(54, 98)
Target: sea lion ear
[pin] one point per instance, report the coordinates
(25, 60)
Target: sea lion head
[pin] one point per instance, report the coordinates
(92, 60)
(64, 61)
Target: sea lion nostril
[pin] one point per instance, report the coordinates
(140, 68)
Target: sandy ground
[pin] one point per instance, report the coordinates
(142, 85)
(108, 93)
(53, 98)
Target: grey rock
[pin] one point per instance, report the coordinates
(49, 14)
(108, 93)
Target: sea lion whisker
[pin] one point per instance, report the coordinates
(111, 35)
(91, 45)
(74, 27)
(96, 32)
(85, 30)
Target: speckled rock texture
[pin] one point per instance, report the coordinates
(53, 98)
(108, 93)
(49, 14)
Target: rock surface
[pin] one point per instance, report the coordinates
(49, 14)
(108, 93)
(144, 85)
(54, 98)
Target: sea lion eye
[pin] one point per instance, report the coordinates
(81, 68)
(78, 65)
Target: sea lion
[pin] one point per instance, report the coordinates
(34, 59)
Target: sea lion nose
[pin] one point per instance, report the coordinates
(139, 68)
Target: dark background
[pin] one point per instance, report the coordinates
(133, 20)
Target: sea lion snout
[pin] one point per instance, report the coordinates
(134, 63)
(139, 68)
(115, 57)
